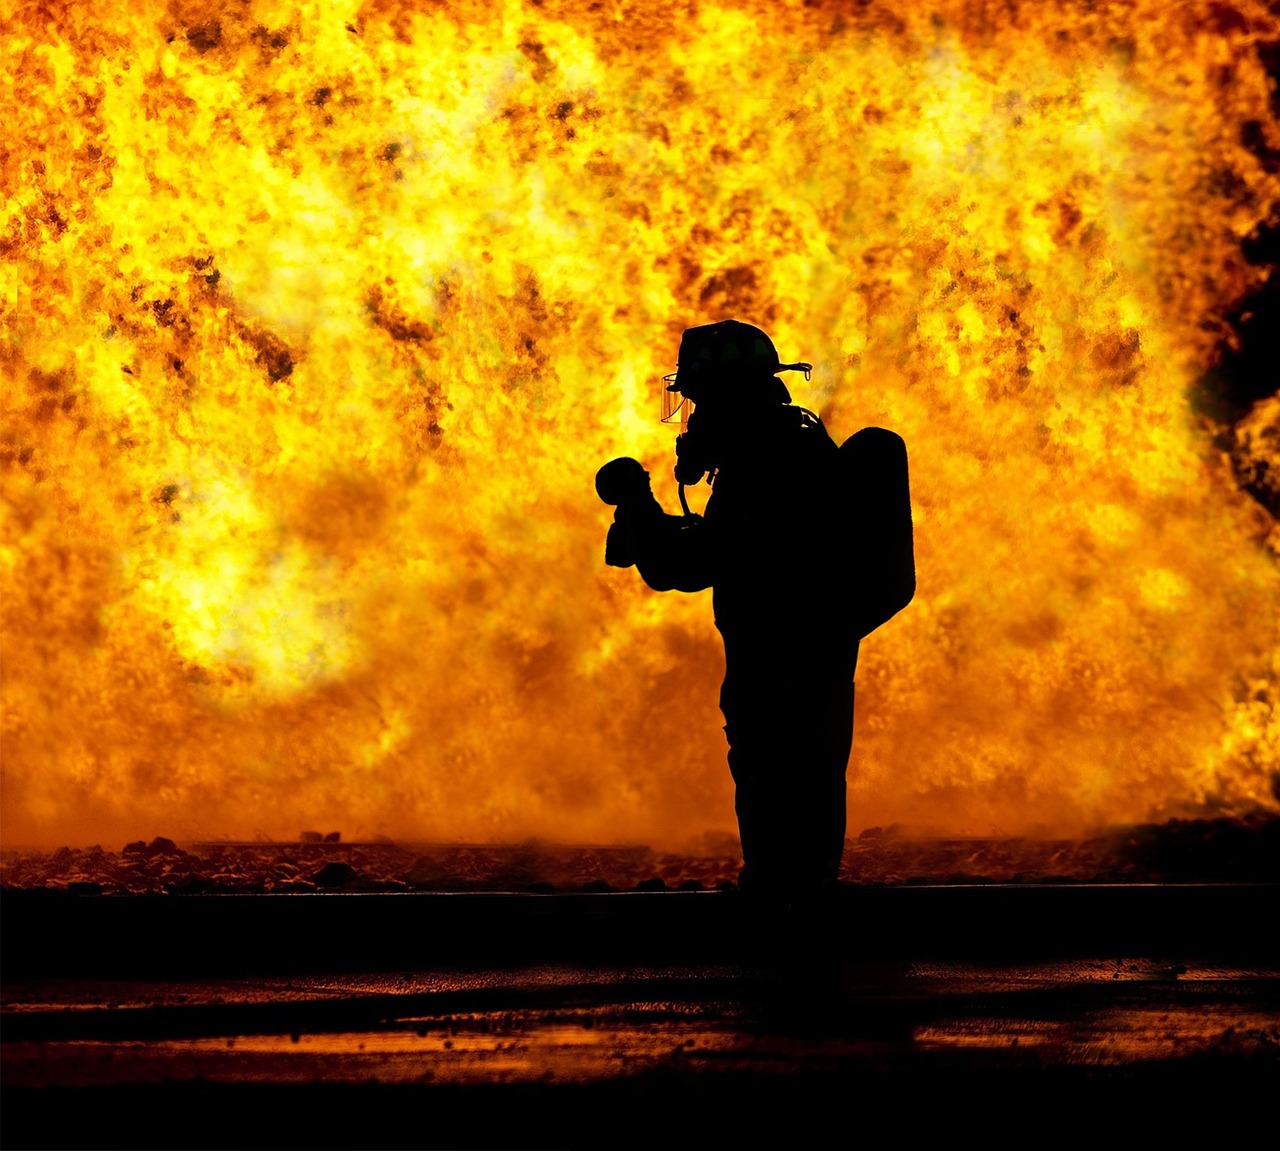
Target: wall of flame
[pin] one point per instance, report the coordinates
(317, 319)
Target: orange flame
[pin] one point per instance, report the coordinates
(318, 319)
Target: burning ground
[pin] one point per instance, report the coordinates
(1180, 851)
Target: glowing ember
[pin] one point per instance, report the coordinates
(317, 321)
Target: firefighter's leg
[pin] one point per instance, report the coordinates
(833, 742)
(788, 767)
(765, 806)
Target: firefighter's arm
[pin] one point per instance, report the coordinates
(671, 553)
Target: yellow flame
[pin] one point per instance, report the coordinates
(318, 319)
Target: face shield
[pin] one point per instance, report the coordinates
(676, 408)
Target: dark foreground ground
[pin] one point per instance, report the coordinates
(1120, 988)
(1051, 1013)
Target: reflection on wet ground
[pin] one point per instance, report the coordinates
(624, 1020)
(745, 1030)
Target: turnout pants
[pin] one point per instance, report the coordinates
(789, 725)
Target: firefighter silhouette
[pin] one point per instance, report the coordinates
(807, 547)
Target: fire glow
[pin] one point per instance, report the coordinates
(318, 319)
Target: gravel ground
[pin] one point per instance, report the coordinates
(1179, 851)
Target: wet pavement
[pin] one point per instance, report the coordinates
(778, 1034)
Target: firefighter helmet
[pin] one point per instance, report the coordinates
(711, 350)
